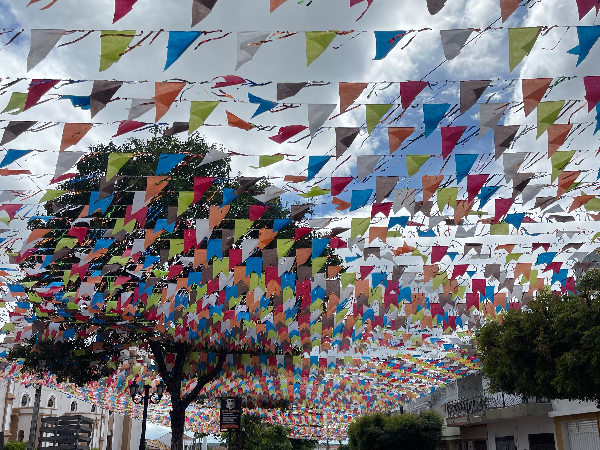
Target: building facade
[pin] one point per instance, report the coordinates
(477, 419)
(111, 431)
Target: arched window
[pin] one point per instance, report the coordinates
(51, 402)
(21, 435)
(73, 406)
(25, 400)
(93, 408)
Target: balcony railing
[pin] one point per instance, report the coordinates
(486, 401)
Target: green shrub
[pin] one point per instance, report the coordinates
(15, 446)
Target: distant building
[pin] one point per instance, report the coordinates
(111, 431)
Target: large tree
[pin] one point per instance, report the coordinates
(549, 350)
(83, 337)
(400, 432)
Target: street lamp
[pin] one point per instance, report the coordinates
(134, 390)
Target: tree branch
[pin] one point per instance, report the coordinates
(162, 367)
(205, 379)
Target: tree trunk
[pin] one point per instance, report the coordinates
(177, 425)
(31, 445)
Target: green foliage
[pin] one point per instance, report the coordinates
(12, 445)
(261, 436)
(400, 432)
(550, 351)
(303, 444)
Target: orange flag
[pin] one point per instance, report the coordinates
(533, 92)
(276, 4)
(265, 237)
(235, 121)
(430, 184)
(302, 255)
(155, 185)
(216, 215)
(164, 96)
(73, 133)
(349, 92)
(557, 135)
(397, 136)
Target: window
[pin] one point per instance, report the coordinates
(542, 441)
(73, 406)
(25, 400)
(93, 408)
(51, 402)
(21, 436)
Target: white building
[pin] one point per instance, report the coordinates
(111, 431)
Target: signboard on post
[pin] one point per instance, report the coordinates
(231, 413)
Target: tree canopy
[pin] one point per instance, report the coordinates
(549, 350)
(400, 432)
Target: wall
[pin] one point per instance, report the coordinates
(520, 428)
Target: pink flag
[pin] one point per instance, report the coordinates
(122, 8)
(450, 137)
(474, 185)
(37, 88)
(286, 133)
(592, 91)
(409, 91)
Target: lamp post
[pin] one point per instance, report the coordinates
(134, 390)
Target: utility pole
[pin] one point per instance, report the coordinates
(34, 418)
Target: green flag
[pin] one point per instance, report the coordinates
(241, 227)
(51, 194)
(520, 43)
(267, 160)
(447, 196)
(348, 278)
(175, 247)
(559, 162)
(16, 104)
(374, 115)
(112, 46)
(547, 113)
(115, 162)
(499, 229)
(315, 191)
(316, 43)
(317, 264)
(184, 201)
(359, 226)
(284, 246)
(199, 112)
(414, 163)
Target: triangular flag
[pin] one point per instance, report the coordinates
(585, 6)
(557, 135)
(102, 93)
(286, 133)
(14, 129)
(154, 185)
(113, 45)
(435, 6)
(385, 41)
(236, 122)
(502, 207)
(315, 164)
(588, 36)
(42, 43)
(317, 115)
(360, 198)
(122, 8)
(179, 42)
(287, 90)
(316, 43)
(165, 93)
(520, 43)
(450, 137)
(374, 114)
(384, 187)
(547, 113)
(503, 138)
(511, 162)
(356, 2)
(453, 41)
(592, 91)
(248, 43)
(338, 184)
(199, 112)
(560, 160)
(464, 162)
(489, 116)
(433, 115)
(274, 4)
(409, 91)
(73, 133)
(263, 105)
(16, 103)
(344, 137)
(349, 92)
(397, 135)
(507, 7)
(65, 161)
(127, 126)
(430, 184)
(474, 185)
(470, 92)
(168, 161)
(533, 92)
(37, 88)
(213, 155)
(185, 199)
(115, 162)
(415, 162)
(366, 165)
(139, 107)
(201, 9)
(12, 155)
